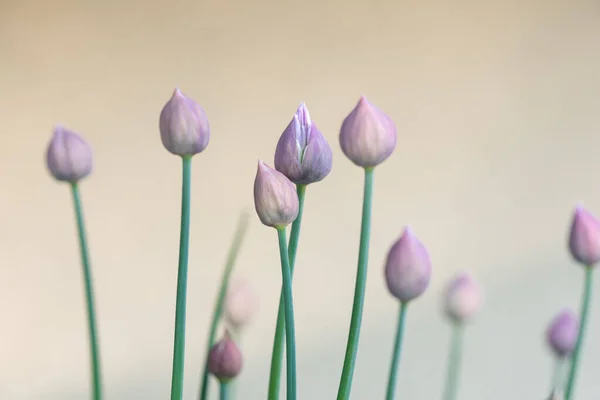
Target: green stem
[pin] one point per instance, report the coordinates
(224, 392)
(454, 363)
(557, 374)
(393, 378)
(290, 335)
(359, 290)
(218, 310)
(89, 294)
(585, 306)
(277, 353)
(184, 243)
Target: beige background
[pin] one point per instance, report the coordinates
(497, 106)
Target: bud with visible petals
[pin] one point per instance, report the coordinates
(184, 128)
(69, 157)
(225, 359)
(367, 136)
(584, 238)
(302, 153)
(408, 268)
(275, 197)
(562, 333)
(463, 298)
(241, 303)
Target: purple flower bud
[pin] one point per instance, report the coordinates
(275, 197)
(69, 157)
(225, 359)
(562, 333)
(241, 303)
(584, 238)
(463, 298)
(302, 153)
(408, 268)
(367, 136)
(184, 127)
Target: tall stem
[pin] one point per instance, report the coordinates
(218, 310)
(585, 306)
(277, 354)
(180, 308)
(224, 391)
(89, 295)
(454, 363)
(359, 290)
(290, 335)
(393, 378)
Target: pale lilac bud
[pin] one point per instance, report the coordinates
(241, 303)
(562, 333)
(275, 197)
(463, 298)
(69, 157)
(225, 359)
(367, 136)
(184, 128)
(408, 267)
(584, 238)
(302, 153)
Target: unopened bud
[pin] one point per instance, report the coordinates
(69, 157)
(275, 197)
(241, 303)
(225, 359)
(463, 298)
(584, 238)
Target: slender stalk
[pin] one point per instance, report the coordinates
(277, 353)
(238, 239)
(585, 306)
(454, 363)
(180, 308)
(557, 374)
(224, 392)
(290, 344)
(359, 290)
(89, 295)
(393, 378)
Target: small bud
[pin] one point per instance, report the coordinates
(184, 127)
(240, 304)
(463, 298)
(69, 157)
(225, 359)
(584, 238)
(275, 197)
(562, 333)
(367, 136)
(302, 153)
(408, 268)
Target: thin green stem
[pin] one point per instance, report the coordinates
(89, 295)
(454, 363)
(180, 308)
(290, 335)
(238, 239)
(585, 306)
(557, 374)
(224, 392)
(393, 378)
(359, 290)
(277, 353)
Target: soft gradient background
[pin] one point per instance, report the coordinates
(497, 105)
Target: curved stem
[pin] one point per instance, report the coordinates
(454, 363)
(290, 335)
(224, 391)
(585, 306)
(89, 295)
(359, 290)
(277, 353)
(184, 242)
(238, 238)
(393, 378)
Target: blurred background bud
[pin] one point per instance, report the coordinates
(69, 157)
(463, 298)
(225, 359)
(562, 333)
(241, 304)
